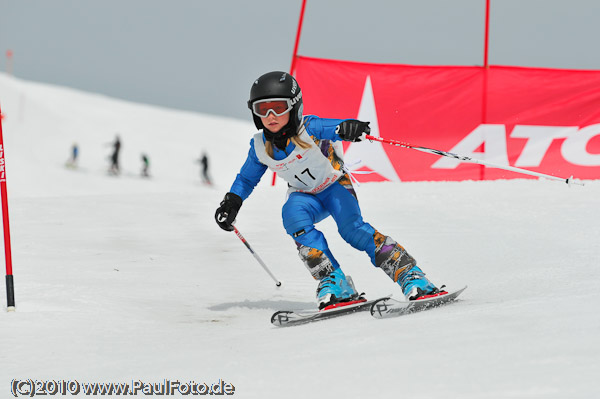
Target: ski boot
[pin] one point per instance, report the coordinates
(335, 288)
(415, 285)
(401, 267)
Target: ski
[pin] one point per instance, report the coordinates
(286, 318)
(388, 307)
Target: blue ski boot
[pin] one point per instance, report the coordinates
(415, 285)
(335, 288)
(397, 263)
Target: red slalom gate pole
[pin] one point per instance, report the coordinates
(486, 67)
(10, 286)
(486, 39)
(298, 32)
(294, 56)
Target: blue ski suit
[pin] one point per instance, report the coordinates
(303, 210)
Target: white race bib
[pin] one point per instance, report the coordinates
(305, 170)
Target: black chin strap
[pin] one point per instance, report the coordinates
(280, 138)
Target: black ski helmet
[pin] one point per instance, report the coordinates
(278, 84)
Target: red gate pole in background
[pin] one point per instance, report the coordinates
(487, 34)
(486, 67)
(10, 287)
(295, 55)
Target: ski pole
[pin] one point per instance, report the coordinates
(10, 284)
(464, 158)
(241, 237)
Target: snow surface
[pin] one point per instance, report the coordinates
(126, 278)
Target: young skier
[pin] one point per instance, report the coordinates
(300, 150)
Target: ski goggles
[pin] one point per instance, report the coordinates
(278, 106)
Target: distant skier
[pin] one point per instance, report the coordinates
(300, 150)
(204, 169)
(145, 166)
(114, 158)
(72, 162)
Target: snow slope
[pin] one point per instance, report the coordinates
(121, 279)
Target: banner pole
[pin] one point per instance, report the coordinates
(10, 286)
(486, 67)
(298, 32)
(487, 35)
(294, 56)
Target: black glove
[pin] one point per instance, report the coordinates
(353, 130)
(226, 213)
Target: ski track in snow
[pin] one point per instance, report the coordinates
(124, 278)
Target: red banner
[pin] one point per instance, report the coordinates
(543, 120)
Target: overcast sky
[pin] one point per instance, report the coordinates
(203, 55)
